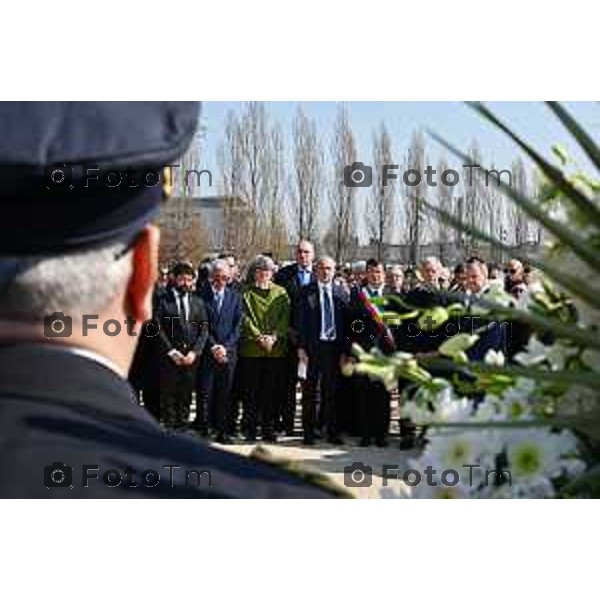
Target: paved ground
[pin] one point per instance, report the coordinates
(332, 460)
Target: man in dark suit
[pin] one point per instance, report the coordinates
(224, 307)
(69, 423)
(492, 334)
(294, 278)
(184, 328)
(367, 329)
(322, 340)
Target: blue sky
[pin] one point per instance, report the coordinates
(453, 120)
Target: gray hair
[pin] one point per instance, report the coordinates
(220, 264)
(263, 263)
(326, 259)
(431, 259)
(78, 283)
(396, 269)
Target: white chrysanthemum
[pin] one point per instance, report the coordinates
(578, 399)
(534, 453)
(536, 487)
(453, 409)
(442, 492)
(491, 409)
(591, 358)
(450, 450)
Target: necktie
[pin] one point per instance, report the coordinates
(327, 314)
(182, 306)
(219, 302)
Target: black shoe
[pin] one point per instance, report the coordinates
(407, 443)
(364, 442)
(250, 438)
(336, 440)
(199, 428)
(270, 438)
(381, 442)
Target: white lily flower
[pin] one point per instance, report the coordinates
(494, 357)
(535, 353)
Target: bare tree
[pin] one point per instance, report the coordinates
(518, 220)
(445, 195)
(308, 177)
(380, 213)
(238, 214)
(343, 151)
(274, 233)
(415, 193)
(474, 197)
(183, 234)
(252, 166)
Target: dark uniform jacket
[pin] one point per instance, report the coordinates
(309, 318)
(287, 277)
(174, 332)
(67, 420)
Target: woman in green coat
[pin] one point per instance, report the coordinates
(263, 349)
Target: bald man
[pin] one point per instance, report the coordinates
(294, 278)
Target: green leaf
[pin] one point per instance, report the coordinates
(576, 286)
(582, 137)
(433, 318)
(585, 378)
(582, 202)
(576, 243)
(456, 345)
(561, 153)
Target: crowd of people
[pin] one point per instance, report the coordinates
(249, 343)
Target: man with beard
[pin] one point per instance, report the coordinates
(184, 329)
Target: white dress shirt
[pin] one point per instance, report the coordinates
(325, 288)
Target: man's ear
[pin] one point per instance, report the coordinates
(144, 274)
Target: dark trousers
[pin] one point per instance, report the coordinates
(373, 408)
(321, 388)
(216, 383)
(263, 381)
(176, 387)
(205, 417)
(287, 406)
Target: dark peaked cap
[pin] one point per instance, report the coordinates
(79, 206)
